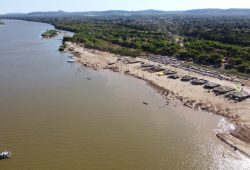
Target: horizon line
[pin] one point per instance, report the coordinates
(60, 10)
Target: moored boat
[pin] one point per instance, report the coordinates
(5, 155)
(71, 60)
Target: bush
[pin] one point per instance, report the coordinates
(243, 68)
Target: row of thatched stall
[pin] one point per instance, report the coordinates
(231, 93)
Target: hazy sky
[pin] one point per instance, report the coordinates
(7, 6)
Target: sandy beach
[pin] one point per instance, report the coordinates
(195, 97)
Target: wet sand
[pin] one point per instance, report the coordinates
(195, 97)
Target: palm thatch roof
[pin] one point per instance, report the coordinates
(198, 81)
(211, 85)
(187, 78)
(168, 72)
(173, 76)
(223, 89)
(238, 95)
(154, 69)
(146, 65)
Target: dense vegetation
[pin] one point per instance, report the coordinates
(50, 33)
(220, 41)
(120, 39)
(215, 53)
(231, 30)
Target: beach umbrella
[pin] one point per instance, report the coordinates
(239, 88)
(160, 73)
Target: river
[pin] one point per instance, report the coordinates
(54, 117)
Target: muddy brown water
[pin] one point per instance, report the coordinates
(53, 117)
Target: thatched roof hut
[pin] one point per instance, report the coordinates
(187, 78)
(149, 67)
(173, 76)
(133, 61)
(146, 65)
(198, 81)
(168, 72)
(128, 60)
(157, 69)
(239, 95)
(211, 85)
(222, 90)
(154, 69)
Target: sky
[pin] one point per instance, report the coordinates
(13, 6)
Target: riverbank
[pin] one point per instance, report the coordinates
(195, 97)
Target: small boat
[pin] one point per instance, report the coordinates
(71, 60)
(5, 155)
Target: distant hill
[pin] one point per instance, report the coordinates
(221, 12)
(53, 13)
(214, 11)
(101, 13)
(14, 14)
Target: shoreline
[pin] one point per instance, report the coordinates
(188, 95)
